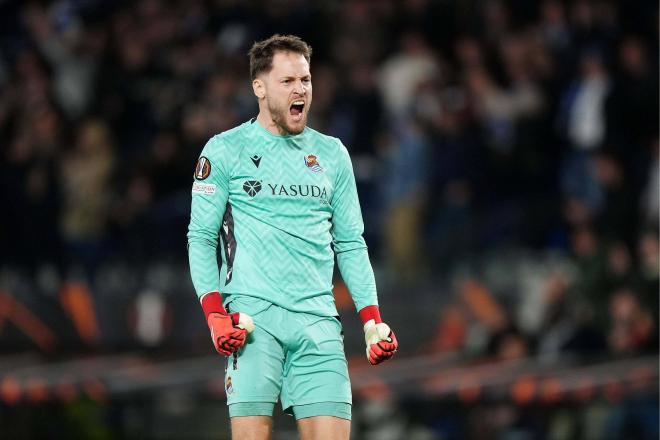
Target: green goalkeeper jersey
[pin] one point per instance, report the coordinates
(279, 205)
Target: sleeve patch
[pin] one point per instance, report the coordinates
(203, 188)
(203, 168)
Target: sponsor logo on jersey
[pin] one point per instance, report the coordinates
(311, 161)
(203, 188)
(298, 190)
(252, 187)
(203, 168)
(256, 160)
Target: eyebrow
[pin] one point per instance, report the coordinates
(308, 76)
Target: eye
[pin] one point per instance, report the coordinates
(287, 81)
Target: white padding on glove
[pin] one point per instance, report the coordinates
(245, 322)
(374, 333)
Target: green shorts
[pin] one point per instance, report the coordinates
(297, 357)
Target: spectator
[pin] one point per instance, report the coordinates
(86, 185)
(72, 51)
(650, 200)
(404, 71)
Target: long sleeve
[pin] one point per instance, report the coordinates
(210, 193)
(349, 245)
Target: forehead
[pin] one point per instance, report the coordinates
(289, 64)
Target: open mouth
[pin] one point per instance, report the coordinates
(296, 108)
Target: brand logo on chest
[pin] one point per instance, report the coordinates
(256, 160)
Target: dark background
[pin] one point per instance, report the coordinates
(506, 154)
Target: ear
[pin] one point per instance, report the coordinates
(259, 88)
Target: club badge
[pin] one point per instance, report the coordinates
(228, 386)
(312, 163)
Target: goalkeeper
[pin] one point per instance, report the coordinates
(282, 196)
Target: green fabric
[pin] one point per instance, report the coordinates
(287, 214)
(244, 409)
(297, 357)
(335, 409)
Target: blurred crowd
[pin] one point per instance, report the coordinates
(473, 127)
(506, 154)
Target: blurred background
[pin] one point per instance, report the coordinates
(506, 154)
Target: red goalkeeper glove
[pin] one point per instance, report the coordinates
(380, 339)
(228, 331)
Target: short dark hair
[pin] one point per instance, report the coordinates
(262, 52)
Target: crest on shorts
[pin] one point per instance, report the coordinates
(203, 168)
(312, 163)
(229, 388)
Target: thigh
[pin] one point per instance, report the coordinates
(254, 373)
(315, 369)
(324, 428)
(251, 428)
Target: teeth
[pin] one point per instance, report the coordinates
(298, 102)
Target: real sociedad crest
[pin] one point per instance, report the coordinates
(312, 163)
(229, 388)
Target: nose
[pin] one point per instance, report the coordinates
(299, 88)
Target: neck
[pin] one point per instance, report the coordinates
(266, 120)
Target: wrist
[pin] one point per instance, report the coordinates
(212, 303)
(369, 313)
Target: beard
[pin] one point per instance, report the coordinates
(280, 114)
